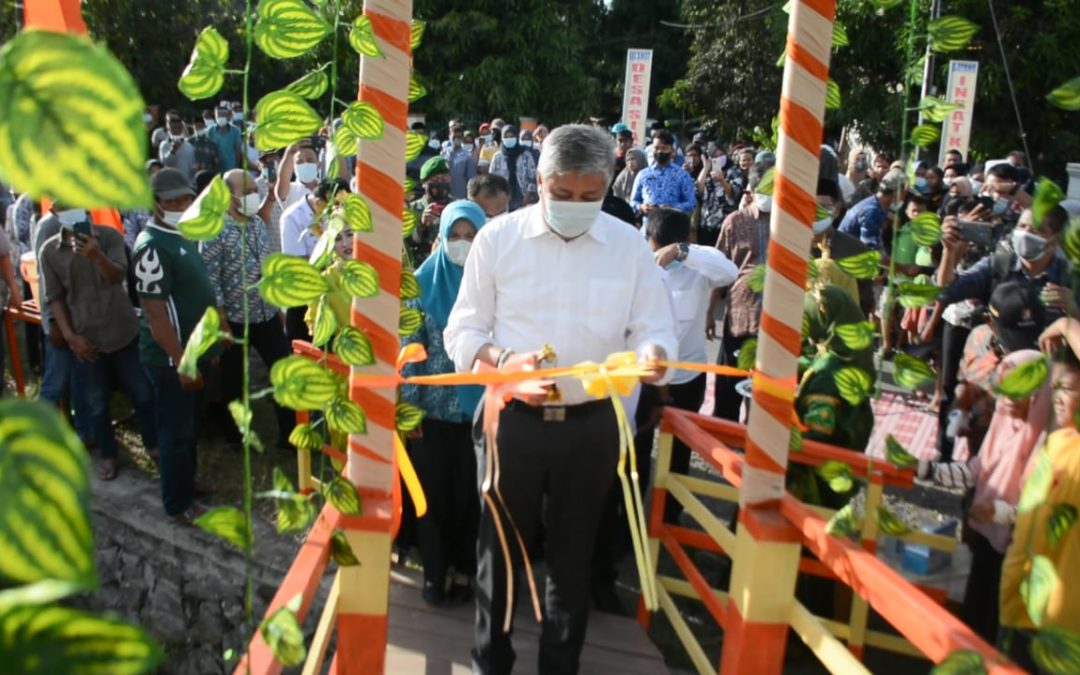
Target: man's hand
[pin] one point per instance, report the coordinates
(15, 298)
(650, 355)
(981, 513)
(951, 239)
(191, 384)
(87, 247)
(1053, 338)
(430, 216)
(666, 254)
(56, 338)
(646, 209)
(710, 325)
(1059, 299)
(84, 351)
(526, 361)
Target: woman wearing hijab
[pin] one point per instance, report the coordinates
(442, 447)
(1017, 430)
(517, 165)
(623, 187)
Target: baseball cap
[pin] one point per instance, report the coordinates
(1019, 316)
(169, 183)
(619, 126)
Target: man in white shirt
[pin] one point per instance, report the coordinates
(176, 152)
(564, 274)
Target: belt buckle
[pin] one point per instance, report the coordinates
(555, 414)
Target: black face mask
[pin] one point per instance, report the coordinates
(437, 190)
(662, 157)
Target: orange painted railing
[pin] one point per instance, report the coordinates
(927, 628)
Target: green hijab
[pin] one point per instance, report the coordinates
(828, 307)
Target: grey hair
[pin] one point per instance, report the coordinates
(577, 148)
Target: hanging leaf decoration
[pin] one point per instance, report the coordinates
(857, 336)
(205, 72)
(925, 135)
(359, 279)
(844, 523)
(1056, 651)
(951, 33)
(362, 38)
(304, 437)
(838, 474)
(839, 35)
(926, 229)
(416, 34)
(1038, 483)
(862, 266)
(961, 662)
(341, 551)
(1023, 380)
(302, 384)
(286, 29)
(205, 218)
(914, 294)
(284, 118)
(1047, 195)
(343, 496)
(911, 373)
(1038, 586)
(229, 523)
(325, 322)
(890, 524)
(897, 454)
(346, 142)
(1067, 96)
(282, 633)
(854, 384)
(353, 347)
(363, 120)
(417, 91)
(1062, 518)
(357, 213)
(408, 417)
(311, 86)
(936, 110)
(832, 95)
(756, 281)
(203, 337)
(410, 321)
(290, 282)
(410, 287)
(414, 145)
(345, 416)
(747, 357)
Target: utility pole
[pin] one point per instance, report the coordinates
(928, 68)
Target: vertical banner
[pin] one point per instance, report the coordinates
(956, 130)
(635, 102)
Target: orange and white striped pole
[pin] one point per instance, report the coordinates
(365, 588)
(766, 554)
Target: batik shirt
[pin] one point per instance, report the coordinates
(668, 185)
(225, 265)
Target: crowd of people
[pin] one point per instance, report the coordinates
(594, 242)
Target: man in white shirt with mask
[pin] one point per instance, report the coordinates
(559, 273)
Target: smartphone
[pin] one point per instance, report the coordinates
(83, 230)
(976, 232)
(437, 209)
(987, 201)
(317, 142)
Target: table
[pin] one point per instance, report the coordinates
(27, 312)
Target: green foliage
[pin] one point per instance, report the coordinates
(1067, 96)
(854, 384)
(345, 142)
(362, 38)
(301, 384)
(1037, 587)
(1037, 485)
(414, 145)
(353, 347)
(345, 416)
(857, 336)
(357, 212)
(284, 118)
(1056, 651)
(282, 633)
(747, 357)
(325, 322)
(863, 266)
(205, 72)
(342, 496)
(838, 475)
(926, 229)
(832, 95)
(286, 29)
(890, 524)
(911, 373)
(229, 523)
(204, 219)
(290, 282)
(915, 294)
(417, 90)
(359, 279)
(925, 135)
(897, 455)
(756, 281)
(66, 106)
(961, 662)
(204, 336)
(1047, 196)
(304, 437)
(1062, 518)
(844, 523)
(951, 33)
(295, 511)
(1023, 380)
(795, 443)
(311, 86)
(410, 321)
(341, 551)
(410, 287)
(936, 110)
(241, 415)
(408, 417)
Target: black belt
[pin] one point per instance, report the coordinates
(560, 413)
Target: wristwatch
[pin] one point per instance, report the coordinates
(684, 250)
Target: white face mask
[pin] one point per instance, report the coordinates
(307, 172)
(822, 226)
(147, 118)
(238, 117)
(434, 144)
(249, 205)
(570, 220)
(763, 202)
(69, 217)
(171, 218)
(948, 181)
(510, 142)
(526, 144)
(221, 120)
(487, 138)
(458, 251)
(467, 146)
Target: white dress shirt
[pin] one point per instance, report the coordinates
(525, 287)
(297, 239)
(691, 286)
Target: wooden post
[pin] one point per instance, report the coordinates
(766, 555)
(380, 174)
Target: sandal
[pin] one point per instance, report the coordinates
(953, 475)
(108, 470)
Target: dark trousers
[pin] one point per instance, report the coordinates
(96, 379)
(445, 462)
(728, 400)
(177, 429)
(554, 479)
(707, 236)
(953, 339)
(980, 608)
(268, 339)
(295, 326)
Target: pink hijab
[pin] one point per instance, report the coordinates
(1009, 444)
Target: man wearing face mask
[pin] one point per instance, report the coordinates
(866, 218)
(461, 163)
(228, 139)
(490, 142)
(435, 177)
(174, 291)
(492, 193)
(665, 184)
(831, 243)
(560, 273)
(176, 152)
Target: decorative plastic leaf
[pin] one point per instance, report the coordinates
(295, 511)
(242, 418)
(911, 373)
(863, 266)
(341, 551)
(311, 86)
(417, 91)
(844, 523)
(795, 444)
(913, 295)
(304, 437)
(838, 474)
(45, 532)
(839, 35)
(408, 417)
(343, 496)
(853, 383)
(950, 33)
(282, 633)
(345, 416)
(747, 357)
(832, 95)
(1038, 586)
(284, 117)
(414, 145)
(1023, 380)
(71, 124)
(961, 662)
(936, 110)
(322, 256)
(228, 523)
(357, 213)
(362, 38)
(289, 281)
(204, 336)
(55, 639)
(410, 185)
(1062, 518)
(925, 135)
(353, 347)
(410, 321)
(765, 187)
(409, 220)
(410, 287)
(1067, 96)
(325, 322)
(364, 120)
(756, 281)
(205, 73)
(1056, 651)
(1038, 483)
(286, 29)
(926, 229)
(1070, 241)
(856, 336)
(359, 279)
(345, 141)
(301, 384)
(897, 455)
(416, 34)
(1047, 195)
(203, 220)
(890, 524)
